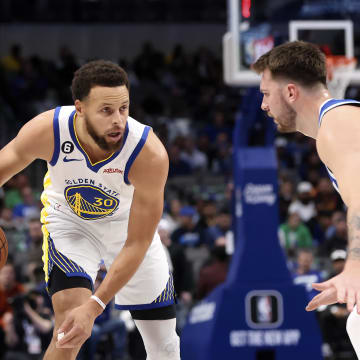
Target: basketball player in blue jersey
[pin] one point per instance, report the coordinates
(293, 81)
(103, 199)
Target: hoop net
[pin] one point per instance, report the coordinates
(339, 71)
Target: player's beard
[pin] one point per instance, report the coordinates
(286, 122)
(101, 140)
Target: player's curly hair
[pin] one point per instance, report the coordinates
(97, 73)
(298, 61)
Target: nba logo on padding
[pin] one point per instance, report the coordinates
(264, 309)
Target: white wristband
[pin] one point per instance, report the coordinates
(98, 301)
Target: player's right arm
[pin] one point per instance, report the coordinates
(35, 140)
(339, 148)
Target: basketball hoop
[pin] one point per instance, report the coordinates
(339, 71)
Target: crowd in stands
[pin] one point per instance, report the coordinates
(183, 97)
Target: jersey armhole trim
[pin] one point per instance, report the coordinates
(135, 153)
(56, 152)
(333, 103)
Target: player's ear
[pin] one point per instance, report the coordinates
(292, 92)
(79, 107)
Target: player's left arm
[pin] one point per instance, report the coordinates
(339, 148)
(148, 174)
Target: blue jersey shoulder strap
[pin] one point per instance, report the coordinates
(332, 103)
(324, 108)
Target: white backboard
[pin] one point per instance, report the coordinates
(236, 74)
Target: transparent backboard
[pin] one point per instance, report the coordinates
(246, 40)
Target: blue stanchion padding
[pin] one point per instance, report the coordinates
(252, 323)
(258, 313)
(256, 220)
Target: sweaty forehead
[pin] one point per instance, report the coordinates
(109, 95)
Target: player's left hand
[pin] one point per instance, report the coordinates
(343, 288)
(77, 326)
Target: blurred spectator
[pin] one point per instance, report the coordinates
(29, 207)
(13, 62)
(34, 251)
(338, 239)
(321, 227)
(304, 274)
(284, 157)
(214, 273)
(28, 329)
(337, 258)
(9, 288)
(2, 197)
(327, 199)
(222, 163)
(218, 127)
(194, 157)
(7, 221)
(207, 210)
(188, 234)
(304, 205)
(65, 67)
(178, 167)
(14, 230)
(286, 194)
(311, 168)
(333, 318)
(294, 235)
(178, 61)
(148, 63)
(204, 145)
(172, 215)
(215, 234)
(12, 193)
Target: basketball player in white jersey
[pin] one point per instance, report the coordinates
(103, 199)
(295, 95)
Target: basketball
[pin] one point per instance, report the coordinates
(3, 249)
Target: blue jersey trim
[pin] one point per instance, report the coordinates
(56, 152)
(94, 167)
(332, 178)
(69, 267)
(145, 306)
(333, 103)
(135, 153)
(327, 106)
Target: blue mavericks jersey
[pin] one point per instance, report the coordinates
(324, 108)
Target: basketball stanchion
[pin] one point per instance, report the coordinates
(340, 70)
(258, 313)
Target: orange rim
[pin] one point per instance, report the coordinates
(335, 61)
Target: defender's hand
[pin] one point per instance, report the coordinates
(343, 288)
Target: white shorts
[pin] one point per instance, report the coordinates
(78, 247)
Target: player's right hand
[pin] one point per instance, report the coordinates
(326, 297)
(343, 288)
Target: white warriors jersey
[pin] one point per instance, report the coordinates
(324, 108)
(80, 190)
